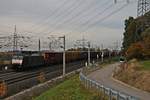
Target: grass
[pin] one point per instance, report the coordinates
(70, 89)
(145, 64)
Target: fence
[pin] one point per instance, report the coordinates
(111, 93)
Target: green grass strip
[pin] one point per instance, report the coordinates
(70, 89)
(146, 64)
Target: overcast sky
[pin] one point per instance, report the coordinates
(99, 21)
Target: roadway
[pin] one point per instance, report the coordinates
(104, 76)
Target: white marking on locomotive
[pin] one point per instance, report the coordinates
(16, 61)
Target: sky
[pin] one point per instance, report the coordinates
(99, 21)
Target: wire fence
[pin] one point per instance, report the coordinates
(111, 93)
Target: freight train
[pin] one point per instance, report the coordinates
(50, 58)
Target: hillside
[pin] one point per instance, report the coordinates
(135, 73)
(136, 41)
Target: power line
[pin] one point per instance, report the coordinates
(102, 19)
(68, 10)
(86, 23)
(93, 17)
(83, 11)
(100, 13)
(67, 21)
(90, 26)
(45, 19)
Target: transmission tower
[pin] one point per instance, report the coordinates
(143, 7)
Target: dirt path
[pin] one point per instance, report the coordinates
(104, 76)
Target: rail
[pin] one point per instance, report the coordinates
(111, 93)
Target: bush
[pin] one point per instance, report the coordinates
(135, 51)
(139, 50)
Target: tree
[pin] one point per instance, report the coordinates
(130, 28)
(135, 51)
(136, 41)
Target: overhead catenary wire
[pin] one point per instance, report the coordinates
(77, 15)
(90, 26)
(106, 17)
(60, 15)
(65, 22)
(84, 14)
(65, 15)
(103, 12)
(69, 20)
(51, 13)
(46, 19)
(93, 17)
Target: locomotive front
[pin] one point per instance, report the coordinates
(17, 61)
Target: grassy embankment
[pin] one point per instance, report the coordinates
(135, 73)
(70, 89)
(145, 64)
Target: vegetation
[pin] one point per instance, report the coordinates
(135, 74)
(145, 64)
(136, 42)
(69, 90)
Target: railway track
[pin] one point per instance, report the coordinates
(15, 75)
(35, 74)
(18, 81)
(6, 74)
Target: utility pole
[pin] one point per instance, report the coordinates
(50, 46)
(89, 53)
(102, 56)
(83, 43)
(39, 47)
(64, 58)
(102, 46)
(15, 47)
(110, 54)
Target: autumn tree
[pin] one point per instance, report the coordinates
(136, 41)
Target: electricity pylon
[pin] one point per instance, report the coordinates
(143, 7)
